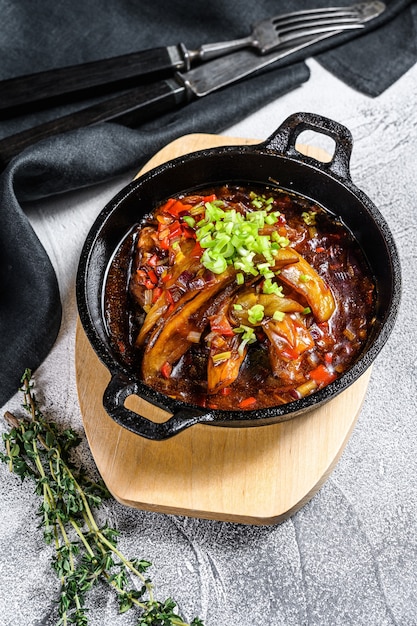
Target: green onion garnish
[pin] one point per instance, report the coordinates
(190, 221)
(231, 238)
(278, 316)
(248, 336)
(309, 217)
(256, 314)
(270, 287)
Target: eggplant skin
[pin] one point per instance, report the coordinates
(304, 279)
(168, 342)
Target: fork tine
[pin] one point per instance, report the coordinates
(295, 29)
(327, 12)
(312, 27)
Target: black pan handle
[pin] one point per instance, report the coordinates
(284, 138)
(120, 388)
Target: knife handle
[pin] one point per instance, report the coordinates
(129, 108)
(62, 85)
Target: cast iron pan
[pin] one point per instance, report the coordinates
(329, 184)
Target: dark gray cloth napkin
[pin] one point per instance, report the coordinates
(35, 36)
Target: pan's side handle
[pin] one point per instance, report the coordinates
(120, 388)
(284, 138)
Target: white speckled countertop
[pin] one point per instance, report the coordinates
(349, 557)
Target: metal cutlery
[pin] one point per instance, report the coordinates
(26, 93)
(136, 105)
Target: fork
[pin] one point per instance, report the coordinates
(276, 31)
(77, 82)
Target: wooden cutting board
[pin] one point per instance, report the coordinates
(255, 475)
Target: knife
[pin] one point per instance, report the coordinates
(144, 102)
(50, 88)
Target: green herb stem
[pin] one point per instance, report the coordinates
(85, 554)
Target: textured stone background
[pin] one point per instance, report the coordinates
(349, 556)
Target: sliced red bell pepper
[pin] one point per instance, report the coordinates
(166, 277)
(156, 293)
(175, 207)
(164, 243)
(221, 325)
(152, 276)
(244, 404)
(153, 260)
(210, 198)
(321, 375)
(166, 369)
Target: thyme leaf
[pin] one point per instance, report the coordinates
(86, 554)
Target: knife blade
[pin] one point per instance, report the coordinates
(141, 103)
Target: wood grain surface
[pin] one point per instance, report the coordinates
(254, 475)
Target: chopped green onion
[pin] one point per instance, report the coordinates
(230, 237)
(240, 279)
(309, 217)
(190, 221)
(278, 316)
(271, 219)
(215, 265)
(271, 287)
(307, 310)
(248, 336)
(204, 230)
(283, 242)
(242, 346)
(238, 307)
(263, 266)
(256, 313)
(304, 278)
(246, 331)
(221, 356)
(197, 209)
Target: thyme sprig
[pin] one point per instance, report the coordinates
(86, 553)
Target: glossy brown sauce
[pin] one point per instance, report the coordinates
(193, 351)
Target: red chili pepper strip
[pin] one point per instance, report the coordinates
(175, 230)
(166, 369)
(322, 376)
(168, 204)
(156, 293)
(166, 277)
(244, 404)
(152, 276)
(153, 260)
(175, 207)
(164, 243)
(221, 326)
(210, 198)
(169, 297)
